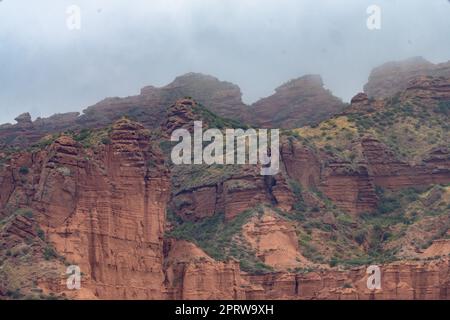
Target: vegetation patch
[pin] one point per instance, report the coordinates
(220, 239)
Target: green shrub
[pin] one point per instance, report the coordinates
(49, 253)
(24, 170)
(410, 194)
(41, 234)
(444, 107)
(24, 212)
(14, 294)
(386, 204)
(360, 237)
(296, 188)
(106, 140)
(333, 262)
(28, 214)
(212, 234)
(83, 135)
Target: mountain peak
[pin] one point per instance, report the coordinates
(296, 102)
(24, 119)
(306, 81)
(393, 77)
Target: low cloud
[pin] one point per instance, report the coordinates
(258, 44)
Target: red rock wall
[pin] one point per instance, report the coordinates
(403, 280)
(105, 210)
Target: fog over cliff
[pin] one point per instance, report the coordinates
(46, 68)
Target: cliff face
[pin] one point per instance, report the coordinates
(102, 210)
(362, 104)
(352, 190)
(390, 172)
(428, 89)
(201, 191)
(191, 274)
(400, 281)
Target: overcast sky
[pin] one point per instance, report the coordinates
(258, 44)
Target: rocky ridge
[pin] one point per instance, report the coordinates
(109, 201)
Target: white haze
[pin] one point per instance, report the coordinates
(257, 44)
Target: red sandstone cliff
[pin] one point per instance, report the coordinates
(103, 210)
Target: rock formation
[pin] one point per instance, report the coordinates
(108, 199)
(392, 77)
(297, 99)
(104, 211)
(296, 103)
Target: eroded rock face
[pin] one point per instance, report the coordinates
(228, 189)
(24, 119)
(352, 189)
(390, 172)
(221, 97)
(438, 248)
(427, 89)
(390, 78)
(231, 196)
(274, 241)
(362, 104)
(301, 163)
(294, 104)
(105, 210)
(403, 280)
(180, 115)
(191, 274)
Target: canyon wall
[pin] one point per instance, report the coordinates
(194, 275)
(102, 210)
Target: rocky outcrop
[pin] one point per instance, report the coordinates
(221, 97)
(191, 274)
(230, 189)
(232, 196)
(362, 104)
(393, 77)
(104, 210)
(301, 163)
(24, 120)
(352, 189)
(390, 172)
(427, 89)
(274, 241)
(149, 107)
(180, 115)
(399, 281)
(438, 248)
(295, 104)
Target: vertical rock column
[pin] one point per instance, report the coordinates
(113, 224)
